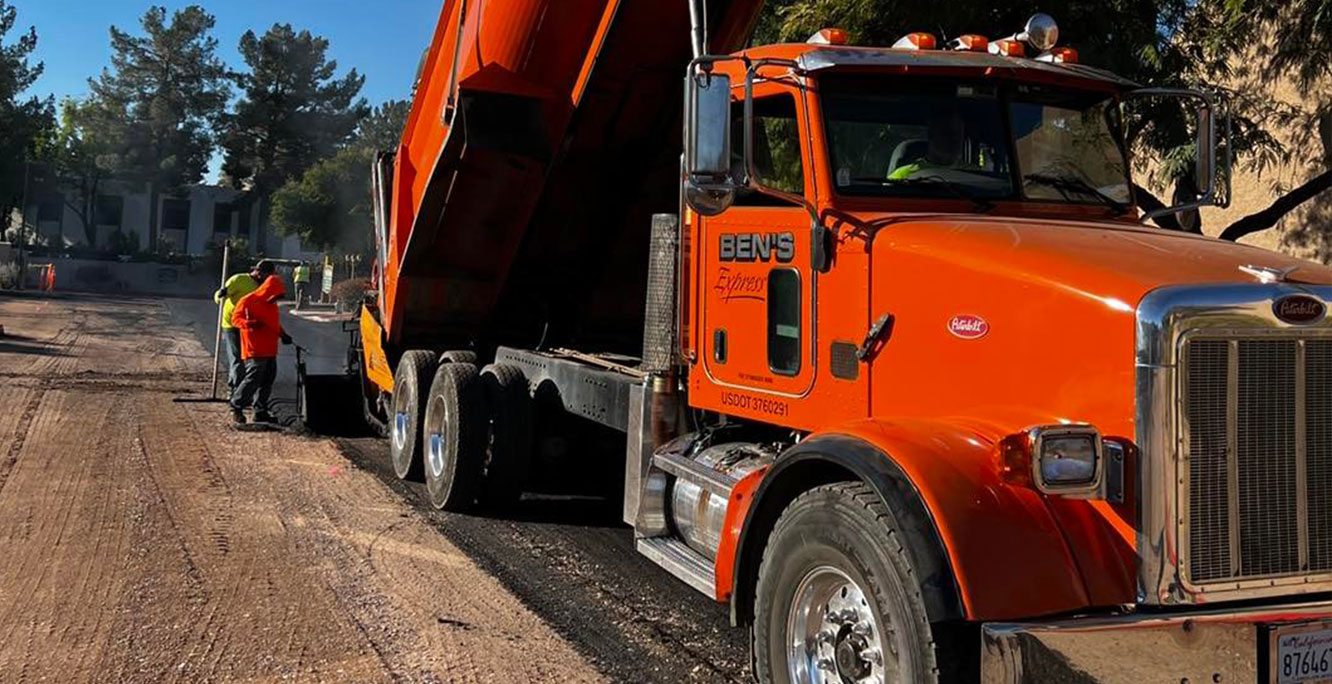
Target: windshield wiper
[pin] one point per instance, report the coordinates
(957, 189)
(1067, 184)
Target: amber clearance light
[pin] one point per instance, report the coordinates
(1059, 55)
(916, 41)
(828, 36)
(1007, 47)
(969, 43)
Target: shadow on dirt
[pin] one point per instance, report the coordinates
(18, 344)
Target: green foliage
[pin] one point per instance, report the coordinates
(9, 276)
(294, 110)
(161, 101)
(382, 129)
(119, 242)
(1303, 43)
(80, 155)
(239, 258)
(330, 204)
(24, 121)
(350, 292)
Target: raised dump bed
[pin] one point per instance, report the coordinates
(543, 136)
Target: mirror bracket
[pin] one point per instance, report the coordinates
(820, 235)
(1207, 143)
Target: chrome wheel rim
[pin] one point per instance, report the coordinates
(401, 400)
(832, 634)
(400, 430)
(436, 418)
(436, 454)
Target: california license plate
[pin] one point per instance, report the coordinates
(1302, 654)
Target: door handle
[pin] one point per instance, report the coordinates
(874, 339)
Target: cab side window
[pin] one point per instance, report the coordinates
(784, 321)
(777, 159)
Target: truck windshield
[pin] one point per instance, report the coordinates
(983, 141)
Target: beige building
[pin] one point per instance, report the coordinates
(1307, 231)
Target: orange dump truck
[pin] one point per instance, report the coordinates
(888, 357)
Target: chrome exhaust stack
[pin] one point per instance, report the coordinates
(698, 26)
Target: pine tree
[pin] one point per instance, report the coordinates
(294, 111)
(162, 100)
(24, 121)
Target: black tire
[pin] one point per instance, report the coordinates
(312, 407)
(509, 438)
(410, 384)
(458, 356)
(455, 437)
(326, 404)
(834, 538)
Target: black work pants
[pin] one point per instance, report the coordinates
(256, 388)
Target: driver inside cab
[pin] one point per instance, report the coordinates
(944, 151)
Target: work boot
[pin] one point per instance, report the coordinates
(262, 416)
(238, 416)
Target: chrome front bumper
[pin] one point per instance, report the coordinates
(1210, 646)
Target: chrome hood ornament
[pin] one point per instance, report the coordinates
(1267, 274)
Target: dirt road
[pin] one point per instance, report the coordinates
(564, 554)
(141, 539)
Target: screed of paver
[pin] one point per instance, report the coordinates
(143, 540)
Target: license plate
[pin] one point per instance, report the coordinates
(1302, 654)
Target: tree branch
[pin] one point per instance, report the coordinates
(1149, 203)
(1254, 223)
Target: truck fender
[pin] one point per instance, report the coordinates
(979, 545)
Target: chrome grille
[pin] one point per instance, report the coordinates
(1209, 507)
(1259, 431)
(1318, 404)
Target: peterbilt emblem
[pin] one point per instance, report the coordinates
(968, 327)
(1299, 309)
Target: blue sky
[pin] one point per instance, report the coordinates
(383, 39)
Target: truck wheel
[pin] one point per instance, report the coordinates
(455, 437)
(509, 440)
(409, 392)
(837, 599)
(458, 356)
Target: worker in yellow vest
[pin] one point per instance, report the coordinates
(301, 277)
(232, 291)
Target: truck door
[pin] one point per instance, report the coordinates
(757, 317)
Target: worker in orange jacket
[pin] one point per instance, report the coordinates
(256, 316)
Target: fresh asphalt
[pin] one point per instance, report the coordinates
(568, 558)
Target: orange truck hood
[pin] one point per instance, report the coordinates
(1058, 298)
(1101, 259)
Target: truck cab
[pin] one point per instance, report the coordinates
(930, 265)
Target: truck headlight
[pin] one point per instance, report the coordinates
(1067, 459)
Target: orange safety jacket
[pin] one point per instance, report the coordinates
(256, 316)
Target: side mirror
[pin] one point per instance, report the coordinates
(1212, 174)
(1206, 146)
(709, 189)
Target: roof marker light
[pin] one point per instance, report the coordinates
(916, 41)
(969, 43)
(1059, 55)
(1007, 47)
(828, 36)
